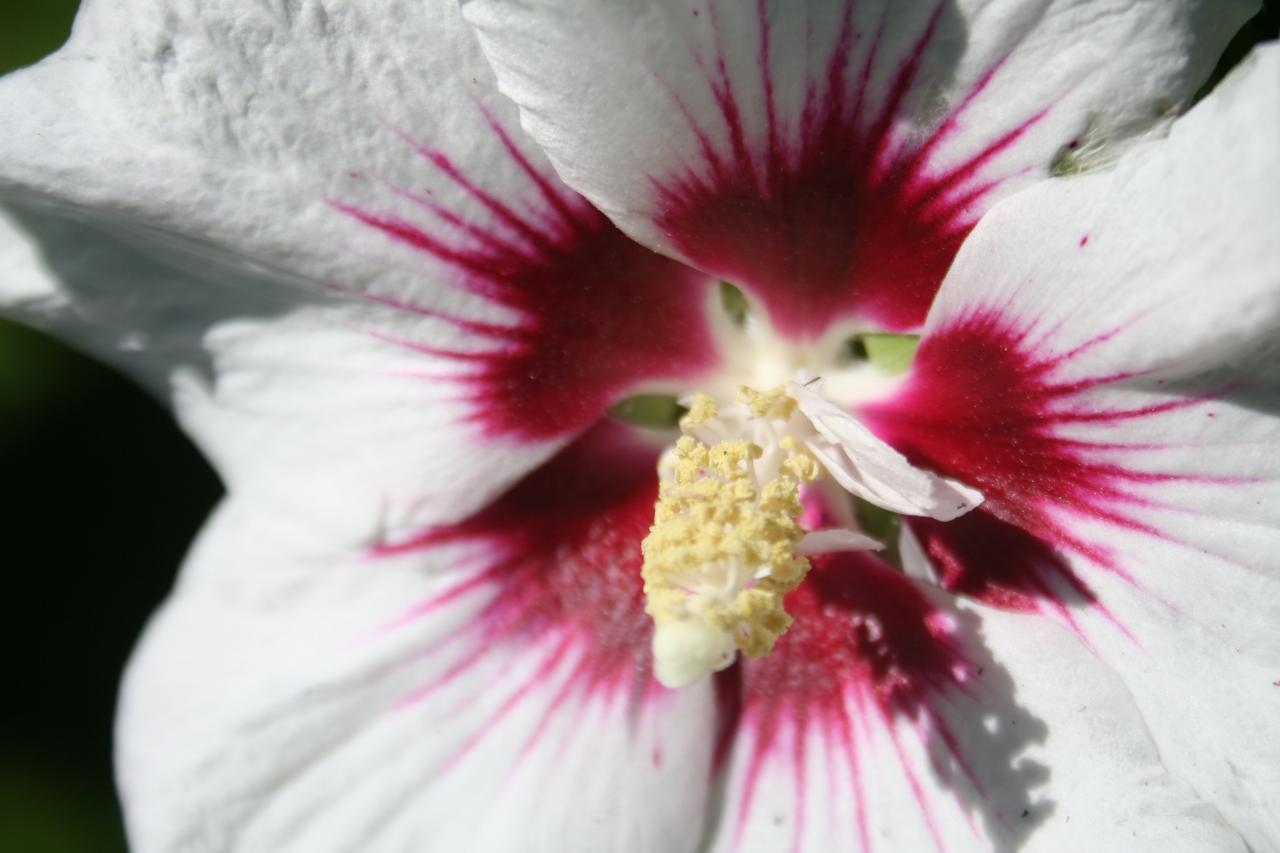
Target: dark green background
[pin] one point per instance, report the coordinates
(100, 496)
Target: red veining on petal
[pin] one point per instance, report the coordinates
(986, 404)
(561, 548)
(867, 654)
(840, 215)
(596, 313)
(870, 656)
(553, 570)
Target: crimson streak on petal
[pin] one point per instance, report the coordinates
(554, 568)
(985, 406)
(597, 313)
(552, 571)
(841, 214)
(868, 653)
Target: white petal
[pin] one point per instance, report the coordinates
(289, 698)
(456, 313)
(236, 126)
(835, 539)
(127, 306)
(1103, 365)
(874, 471)
(831, 156)
(164, 115)
(1168, 263)
(27, 283)
(945, 728)
(361, 150)
(358, 420)
(328, 417)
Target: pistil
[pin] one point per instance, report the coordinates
(727, 545)
(722, 551)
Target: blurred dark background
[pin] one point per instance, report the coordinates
(99, 497)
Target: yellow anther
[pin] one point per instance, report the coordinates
(701, 409)
(721, 554)
(729, 459)
(803, 467)
(774, 403)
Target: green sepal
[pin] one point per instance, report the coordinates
(734, 303)
(656, 411)
(881, 524)
(891, 353)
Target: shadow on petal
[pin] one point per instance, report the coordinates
(983, 558)
(141, 299)
(881, 707)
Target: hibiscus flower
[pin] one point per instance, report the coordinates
(432, 288)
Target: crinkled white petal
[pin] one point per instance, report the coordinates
(235, 132)
(180, 172)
